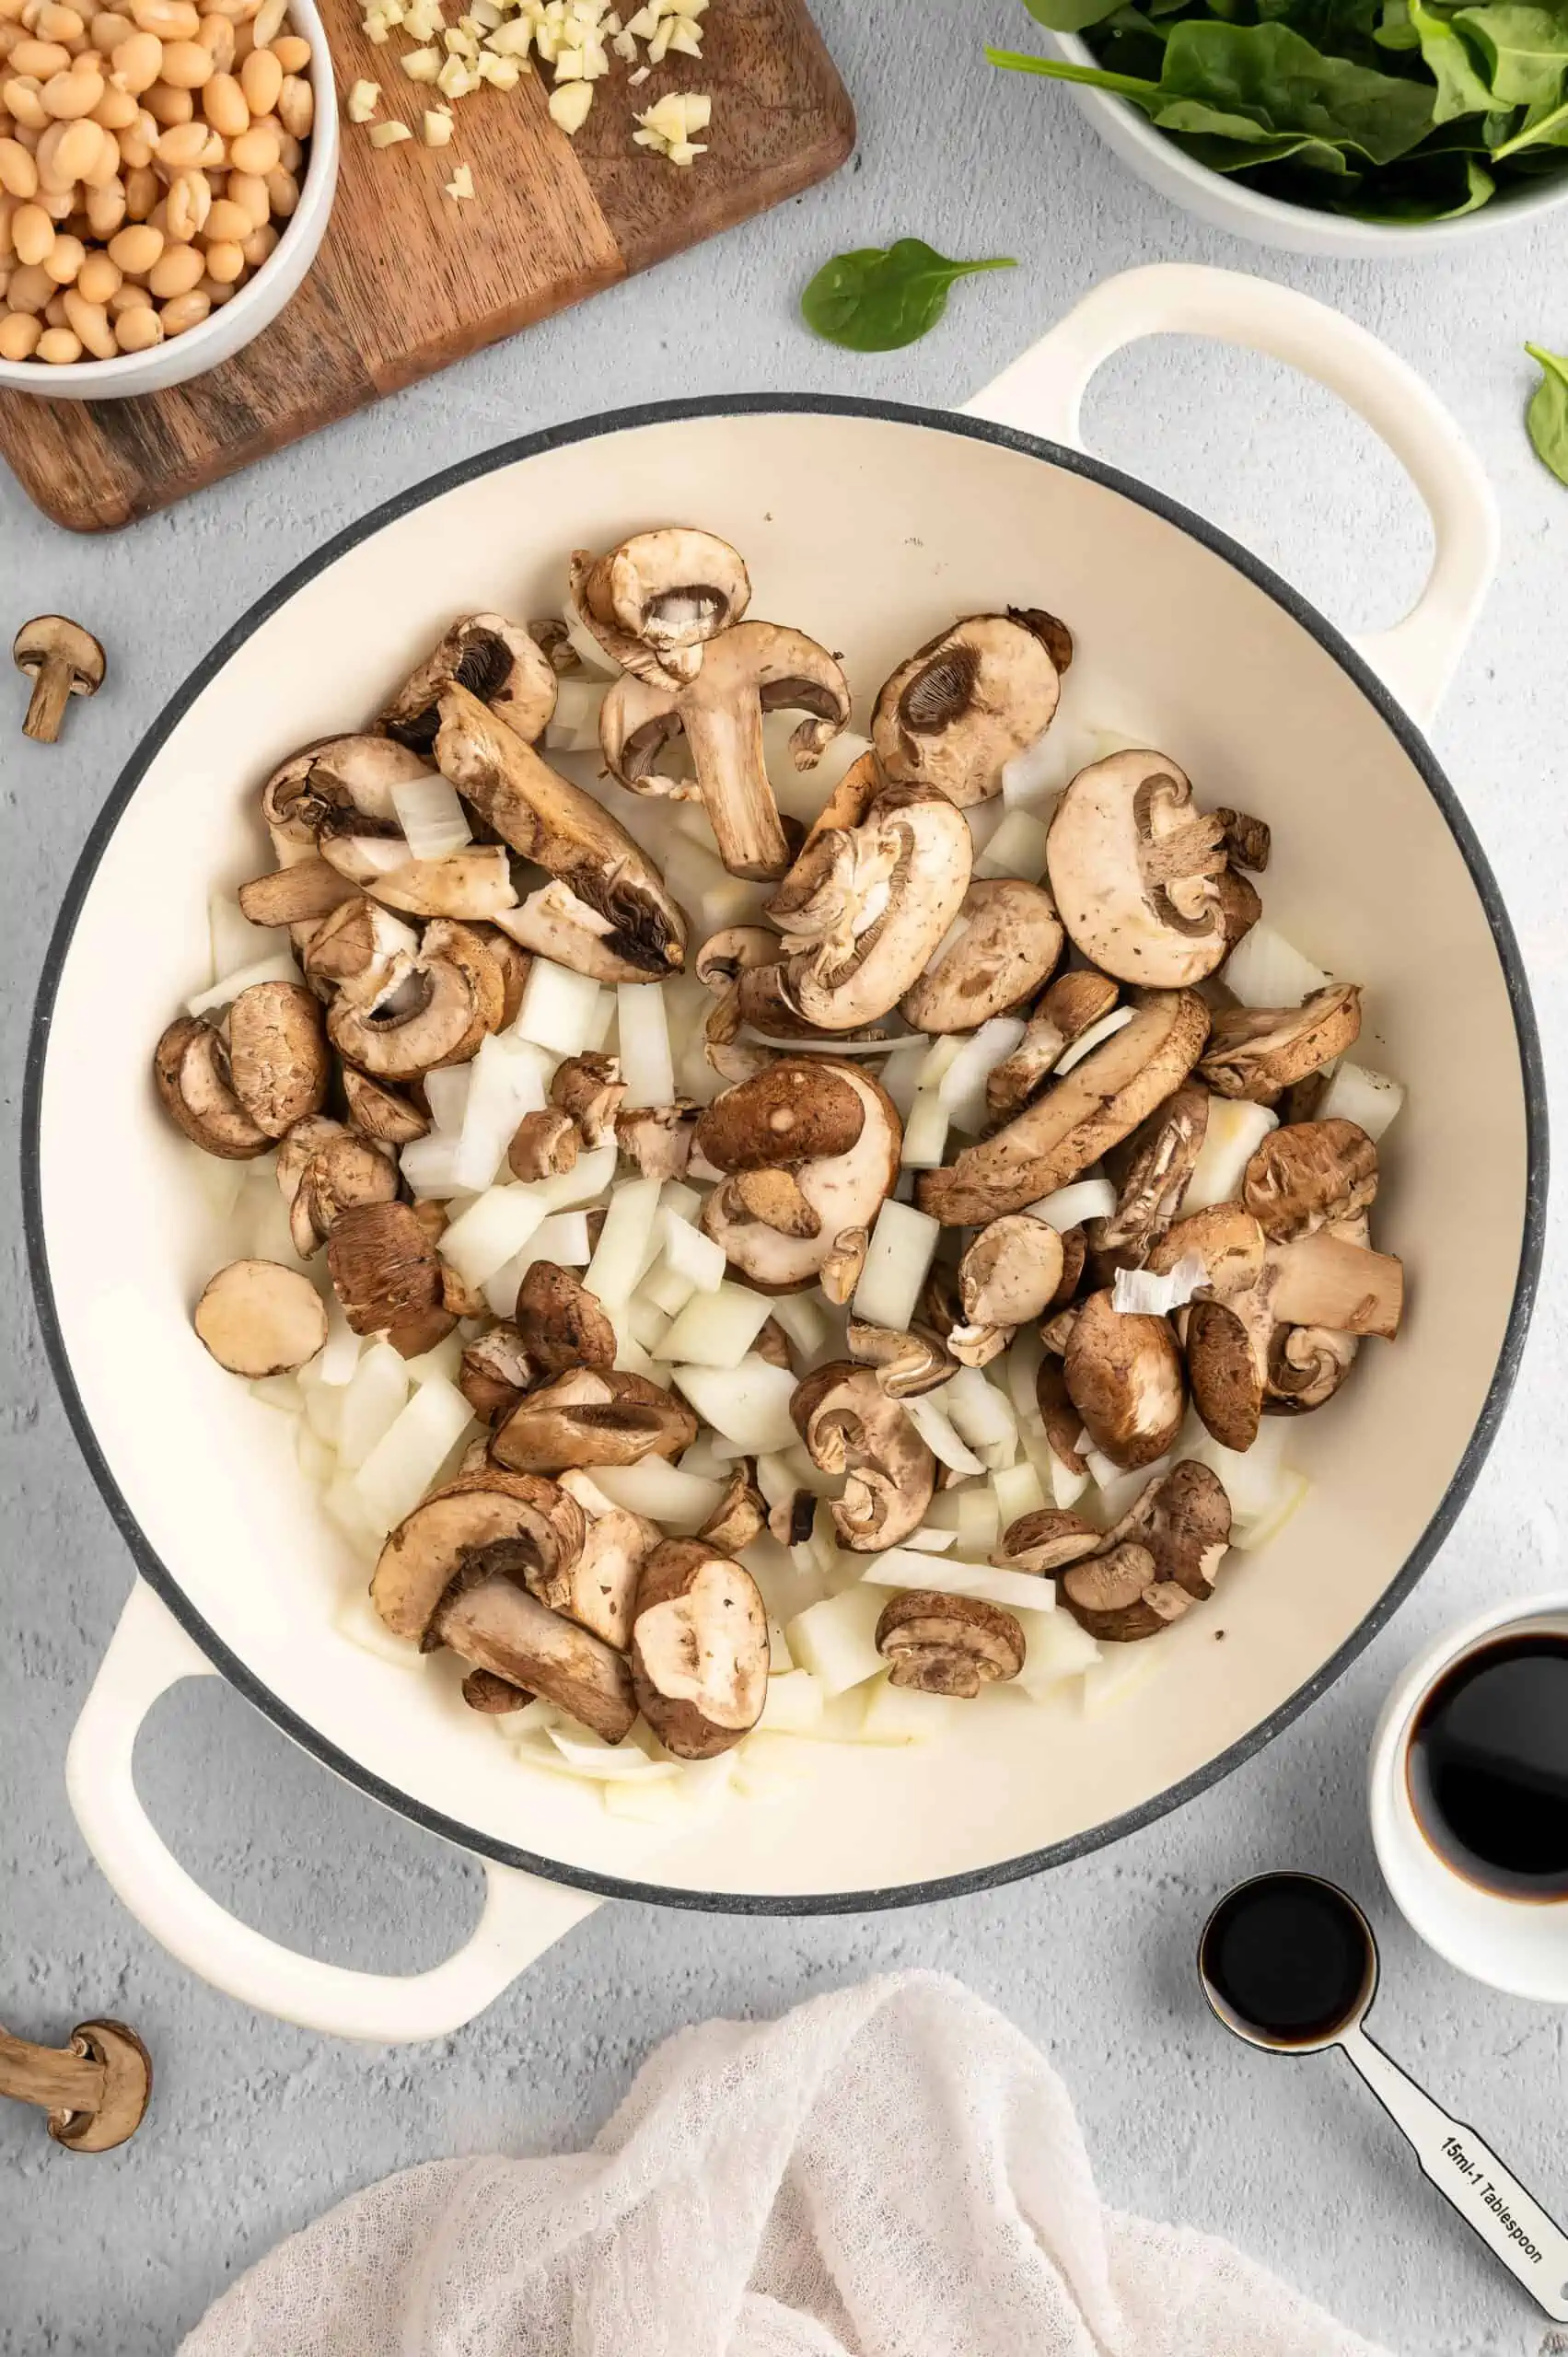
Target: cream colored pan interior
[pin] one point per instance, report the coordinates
(870, 532)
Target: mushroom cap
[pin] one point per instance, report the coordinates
(1228, 1369)
(55, 638)
(1162, 1155)
(1255, 1053)
(1119, 1596)
(1133, 868)
(1065, 1010)
(495, 1372)
(543, 1146)
(1011, 1272)
(660, 597)
(1184, 1520)
(497, 1525)
(726, 955)
(329, 782)
(500, 1627)
(1226, 1238)
(590, 1088)
(191, 1073)
(423, 1011)
(1046, 1540)
(498, 661)
(562, 1324)
(1061, 1421)
(1123, 1375)
(277, 1057)
(593, 1416)
(335, 1174)
(356, 942)
(601, 1591)
(257, 1319)
(740, 1515)
(698, 1648)
(1077, 1119)
(379, 1113)
(850, 1424)
(1306, 1366)
(1308, 1173)
(1326, 1279)
(483, 1691)
(907, 1365)
(384, 1266)
(948, 1644)
(308, 889)
(957, 711)
(657, 1138)
(844, 1188)
(1009, 946)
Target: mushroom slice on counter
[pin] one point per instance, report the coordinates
(1257, 1053)
(495, 1372)
(1004, 946)
(277, 1057)
(378, 1112)
(1047, 1540)
(593, 1416)
(475, 883)
(1123, 1375)
(861, 912)
(740, 1515)
(422, 1011)
(1077, 1119)
(326, 786)
(564, 831)
(1133, 868)
(544, 1146)
(192, 1076)
(384, 1265)
(948, 1644)
(296, 895)
(501, 1627)
(828, 1128)
(656, 601)
(698, 1648)
(850, 1424)
(1163, 1154)
(958, 711)
(1308, 1174)
(257, 1318)
(487, 1524)
(62, 660)
(751, 668)
(560, 1323)
(657, 1138)
(1066, 1010)
(495, 659)
(907, 1365)
(590, 1088)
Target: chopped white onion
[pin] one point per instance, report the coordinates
(1021, 1367)
(953, 934)
(587, 1179)
(430, 1163)
(835, 1640)
(434, 821)
(509, 1080)
(801, 1317)
(492, 1230)
(716, 1329)
(1055, 1648)
(1014, 1591)
(1265, 969)
(904, 1714)
(318, 1462)
(793, 1703)
(1139, 1293)
(560, 1009)
(1119, 1675)
(980, 1525)
(1356, 1093)
(646, 1058)
(444, 1359)
(376, 1397)
(1033, 776)
(926, 1132)
(573, 727)
(927, 1540)
(1017, 1490)
(447, 1094)
(901, 1075)
(357, 1621)
(605, 1762)
(277, 968)
(666, 1289)
(1086, 1199)
(962, 1086)
(280, 1391)
(625, 1246)
(564, 1238)
(1234, 1131)
(979, 1414)
(647, 1324)
(747, 1405)
(1289, 1494)
(666, 1494)
(1016, 848)
(1086, 1042)
(903, 1244)
(237, 944)
(689, 1254)
(935, 1430)
(324, 1410)
(1250, 1478)
(410, 1453)
(339, 1354)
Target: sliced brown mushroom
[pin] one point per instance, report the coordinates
(841, 1271)
(476, 883)
(1256, 1052)
(1306, 1366)
(496, 660)
(380, 1112)
(332, 785)
(1077, 1119)
(1226, 1238)
(773, 1344)
(1046, 1540)
(593, 1416)
(907, 1365)
(1061, 1421)
(1133, 868)
(1239, 907)
(544, 1146)
(384, 1268)
(590, 1088)
(698, 1648)
(499, 1626)
(970, 699)
(1005, 951)
(427, 1010)
(656, 601)
(63, 660)
(1184, 1521)
(356, 943)
(1162, 1155)
(1326, 1279)
(740, 1515)
(751, 668)
(564, 831)
(1248, 841)
(516, 965)
(278, 1062)
(1119, 1596)
(1227, 1368)
(483, 1525)
(495, 1372)
(1308, 1174)
(555, 923)
(861, 911)
(1066, 1011)
(1010, 1273)
(948, 1644)
(331, 1175)
(560, 1323)
(295, 895)
(553, 640)
(191, 1072)
(834, 1132)
(494, 1696)
(850, 1425)
(657, 1138)
(259, 1318)
(1123, 1375)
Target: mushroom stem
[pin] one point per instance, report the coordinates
(95, 2090)
(725, 743)
(50, 694)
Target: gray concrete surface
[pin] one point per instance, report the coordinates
(258, 2127)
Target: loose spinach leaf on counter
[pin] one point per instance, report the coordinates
(879, 298)
(1547, 416)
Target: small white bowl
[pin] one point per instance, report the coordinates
(258, 301)
(1224, 204)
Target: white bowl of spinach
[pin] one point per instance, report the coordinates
(1325, 126)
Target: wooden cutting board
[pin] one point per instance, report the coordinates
(407, 280)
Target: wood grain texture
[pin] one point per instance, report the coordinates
(406, 281)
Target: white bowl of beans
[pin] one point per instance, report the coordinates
(167, 171)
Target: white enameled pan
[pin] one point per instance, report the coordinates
(870, 525)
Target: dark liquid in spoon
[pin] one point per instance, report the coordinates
(1488, 1766)
(1288, 1960)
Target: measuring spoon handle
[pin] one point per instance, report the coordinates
(1486, 2195)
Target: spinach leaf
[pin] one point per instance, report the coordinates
(1396, 31)
(1548, 415)
(1222, 154)
(1270, 72)
(1543, 127)
(1069, 15)
(1526, 49)
(1460, 90)
(878, 299)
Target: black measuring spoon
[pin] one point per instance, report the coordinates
(1289, 1963)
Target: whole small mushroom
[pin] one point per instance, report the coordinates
(948, 1644)
(62, 660)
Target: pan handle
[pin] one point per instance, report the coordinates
(149, 1653)
(1042, 393)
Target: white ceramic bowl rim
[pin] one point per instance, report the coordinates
(1532, 1233)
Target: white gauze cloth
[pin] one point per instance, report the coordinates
(889, 2171)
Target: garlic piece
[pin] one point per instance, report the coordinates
(460, 185)
(436, 126)
(363, 100)
(569, 106)
(387, 135)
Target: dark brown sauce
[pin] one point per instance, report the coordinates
(1488, 1766)
(1288, 1960)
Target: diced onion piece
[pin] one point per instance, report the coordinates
(560, 1009)
(645, 1057)
(926, 1132)
(278, 967)
(1292, 1488)
(410, 1453)
(795, 1704)
(317, 1461)
(1016, 848)
(939, 1059)
(1139, 1293)
(584, 1183)
(1086, 1199)
(955, 933)
(980, 1525)
(447, 1094)
(573, 727)
(665, 1492)
(323, 1411)
(679, 1201)
(1066, 1487)
(690, 1254)
(927, 1540)
(281, 1391)
(962, 1086)
(564, 1238)
(357, 1619)
(803, 1321)
(237, 944)
(434, 821)
(979, 1414)
(835, 1640)
(494, 1228)
(932, 1424)
(901, 1714)
(1033, 776)
(339, 1354)
(430, 1164)
(1017, 1490)
(629, 1356)
(728, 901)
(1086, 1042)
(901, 1075)
(622, 1254)
(666, 1289)
(509, 1079)
(1117, 1491)
(1054, 1648)
(1234, 1131)
(647, 1324)
(747, 1405)
(1119, 1675)
(1356, 1093)
(1265, 969)
(345, 1510)
(771, 1767)
(903, 1244)
(376, 1397)
(716, 1329)
(901, 1567)
(590, 1756)
(444, 1359)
